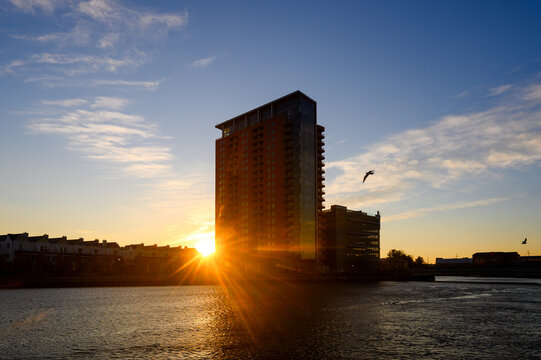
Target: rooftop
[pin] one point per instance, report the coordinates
(294, 94)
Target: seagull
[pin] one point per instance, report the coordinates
(525, 241)
(371, 172)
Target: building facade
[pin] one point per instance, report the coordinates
(269, 187)
(495, 258)
(24, 254)
(454, 261)
(350, 241)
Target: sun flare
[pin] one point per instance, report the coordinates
(205, 246)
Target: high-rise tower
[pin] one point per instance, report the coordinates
(269, 187)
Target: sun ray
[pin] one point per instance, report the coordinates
(206, 246)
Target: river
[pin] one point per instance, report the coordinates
(449, 318)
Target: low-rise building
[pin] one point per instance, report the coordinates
(495, 258)
(453, 261)
(143, 258)
(349, 240)
(21, 253)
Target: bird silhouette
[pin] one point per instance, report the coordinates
(371, 172)
(525, 241)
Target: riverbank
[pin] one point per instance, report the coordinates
(19, 282)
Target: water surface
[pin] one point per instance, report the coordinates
(386, 320)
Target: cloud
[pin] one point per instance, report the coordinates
(110, 136)
(79, 35)
(94, 17)
(204, 62)
(109, 103)
(533, 93)
(453, 153)
(73, 64)
(148, 85)
(203, 233)
(109, 40)
(70, 81)
(499, 90)
(106, 24)
(169, 20)
(190, 196)
(93, 63)
(444, 207)
(30, 6)
(99, 9)
(113, 13)
(43, 79)
(146, 170)
(463, 94)
(10, 68)
(65, 103)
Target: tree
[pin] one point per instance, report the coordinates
(419, 260)
(398, 256)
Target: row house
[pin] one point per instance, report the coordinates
(22, 253)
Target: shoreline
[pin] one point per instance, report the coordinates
(25, 282)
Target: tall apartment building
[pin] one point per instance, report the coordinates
(269, 187)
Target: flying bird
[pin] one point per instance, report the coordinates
(525, 241)
(371, 172)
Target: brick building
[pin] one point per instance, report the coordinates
(269, 187)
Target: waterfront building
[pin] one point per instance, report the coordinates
(495, 258)
(452, 261)
(350, 241)
(530, 260)
(269, 187)
(21, 253)
(154, 259)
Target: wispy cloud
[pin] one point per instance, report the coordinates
(11, 67)
(475, 146)
(109, 103)
(169, 20)
(147, 85)
(101, 23)
(463, 94)
(72, 64)
(533, 93)
(204, 62)
(110, 136)
(444, 207)
(31, 6)
(113, 13)
(107, 24)
(499, 90)
(204, 232)
(79, 35)
(94, 63)
(108, 40)
(188, 194)
(65, 103)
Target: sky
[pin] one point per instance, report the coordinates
(108, 108)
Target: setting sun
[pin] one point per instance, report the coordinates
(205, 246)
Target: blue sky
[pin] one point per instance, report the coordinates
(107, 114)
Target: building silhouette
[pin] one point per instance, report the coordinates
(350, 241)
(24, 254)
(269, 187)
